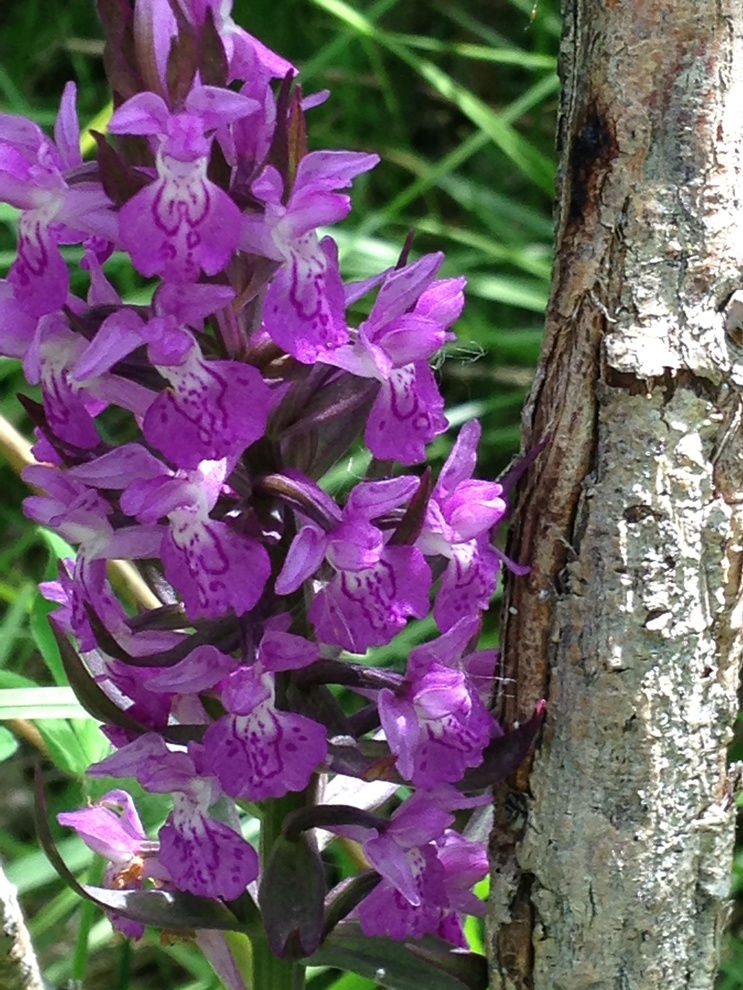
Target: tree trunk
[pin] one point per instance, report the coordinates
(612, 852)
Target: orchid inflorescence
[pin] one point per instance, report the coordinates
(243, 384)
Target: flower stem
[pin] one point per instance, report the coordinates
(269, 971)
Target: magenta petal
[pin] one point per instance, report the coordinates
(285, 651)
(325, 170)
(467, 584)
(120, 467)
(179, 226)
(375, 498)
(39, 275)
(369, 607)
(17, 325)
(245, 689)
(460, 464)
(265, 754)
(442, 301)
(117, 836)
(215, 409)
(202, 668)
(65, 408)
(401, 729)
(474, 508)
(144, 113)
(192, 307)
(117, 337)
(407, 414)
(213, 567)
(132, 759)
(205, 856)
(304, 307)
(403, 287)
(67, 128)
(392, 862)
(303, 558)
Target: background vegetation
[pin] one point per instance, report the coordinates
(459, 98)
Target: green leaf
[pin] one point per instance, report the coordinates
(291, 897)
(419, 964)
(175, 911)
(44, 638)
(8, 744)
(64, 746)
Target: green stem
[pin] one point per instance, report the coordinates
(270, 972)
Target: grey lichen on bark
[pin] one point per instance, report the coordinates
(629, 623)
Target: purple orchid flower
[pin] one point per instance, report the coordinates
(257, 750)
(303, 311)
(128, 686)
(17, 325)
(112, 828)
(182, 223)
(406, 327)
(461, 513)
(443, 873)
(245, 53)
(203, 855)
(71, 405)
(419, 885)
(212, 409)
(438, 725)
(81, 516)
(61, 203)
(213, 566)
(376, 586)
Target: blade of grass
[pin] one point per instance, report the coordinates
(517, 149)
(40, 702)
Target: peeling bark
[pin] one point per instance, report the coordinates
(611, 852)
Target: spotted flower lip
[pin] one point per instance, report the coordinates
(202, 855)
(182, 223)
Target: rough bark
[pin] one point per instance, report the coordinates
(612, 851)
(19, 969)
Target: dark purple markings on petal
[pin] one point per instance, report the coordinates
(244, 753)
(303, 309)
(358, 610)
(466, 586)
(201, 399)
(178, 214)
(206, 857)
(33, 249)
(39, 275)
(407, 414)
(223, 569)
(374, 591)
(181, 201)
(66, 413)
(403, 398)
(307, 281)
(212, 408)
(264, 754)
